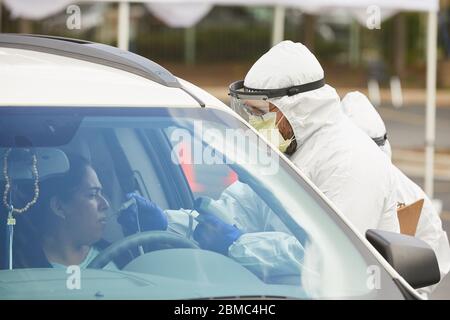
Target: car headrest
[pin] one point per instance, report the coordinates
(50, 162)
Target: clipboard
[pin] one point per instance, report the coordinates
(408, 217)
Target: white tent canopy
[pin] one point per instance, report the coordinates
(185, 13)
(30, 9)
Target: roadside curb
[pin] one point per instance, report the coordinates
(412, 163)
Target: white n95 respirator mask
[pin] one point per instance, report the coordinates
(267, 126)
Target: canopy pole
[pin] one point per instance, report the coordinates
(354, 45)
(123, 25)
(278, 24)
(189, 45)
(1, 12)
(430, 130)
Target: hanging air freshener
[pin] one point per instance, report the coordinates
(7, 202)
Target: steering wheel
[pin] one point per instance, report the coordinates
(152, 241)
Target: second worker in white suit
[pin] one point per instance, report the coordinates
(429, 228)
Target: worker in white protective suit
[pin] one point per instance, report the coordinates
(284, 92)
(254, 237)
(429, 228)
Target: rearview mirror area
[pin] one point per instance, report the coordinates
(411, 257)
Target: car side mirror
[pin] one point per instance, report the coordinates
(412, 258)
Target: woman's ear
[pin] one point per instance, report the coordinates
(57, 207)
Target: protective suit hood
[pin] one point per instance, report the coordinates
(387, 149)
(360, 110)
(290, 64)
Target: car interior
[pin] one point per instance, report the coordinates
(130, 160)
(134, 154)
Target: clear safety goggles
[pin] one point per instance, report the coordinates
(249, 102)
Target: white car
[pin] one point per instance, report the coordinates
(148, 132)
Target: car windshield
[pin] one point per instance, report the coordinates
(271, 235)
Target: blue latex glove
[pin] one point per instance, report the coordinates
(214, 234)
(151, 217)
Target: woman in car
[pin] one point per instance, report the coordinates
(70, 215)
(66, 225)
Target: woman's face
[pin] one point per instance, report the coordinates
(85, 212)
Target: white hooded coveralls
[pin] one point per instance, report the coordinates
(429, 228)
(334, 154)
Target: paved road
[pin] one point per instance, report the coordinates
(406, 127)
